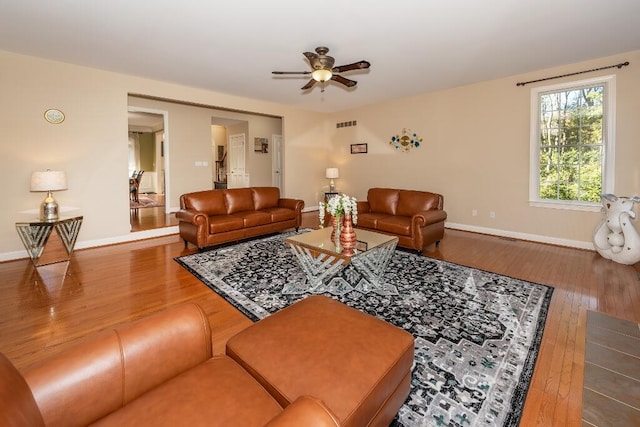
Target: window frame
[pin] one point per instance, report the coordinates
(608, 124)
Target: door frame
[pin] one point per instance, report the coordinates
(276, 160)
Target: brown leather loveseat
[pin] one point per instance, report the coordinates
(212, 217)
(416, 217)
(156, 372)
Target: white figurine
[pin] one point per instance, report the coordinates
(616, 238)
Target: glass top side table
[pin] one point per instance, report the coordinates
(46, 247)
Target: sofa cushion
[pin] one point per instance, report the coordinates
(400, 225)
(216, 393)
(370, 220)
(239, 200)
(210, 202)
(222, 223)
(280, 214)
(115, 367)
(253, 219)
(265, 197)
(411, 202)
(383, 200)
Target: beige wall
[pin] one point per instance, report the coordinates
(148, 152)
(189, 126)
(91, 144)
(476, 152)
(260, 163)
(187, 140)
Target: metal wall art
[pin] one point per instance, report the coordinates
(406, 140)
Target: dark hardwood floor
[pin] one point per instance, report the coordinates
(41, 314)
(152, 217)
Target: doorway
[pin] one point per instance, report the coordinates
(147, 168)
(187, 131)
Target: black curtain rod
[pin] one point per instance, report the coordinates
(618, 66)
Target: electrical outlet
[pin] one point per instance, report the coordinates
(474, 212)
(492, 214)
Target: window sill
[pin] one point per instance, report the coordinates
(576, 206)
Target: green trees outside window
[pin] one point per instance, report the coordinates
(571, 142)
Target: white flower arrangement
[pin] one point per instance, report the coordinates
(321, 213)
(341, 205)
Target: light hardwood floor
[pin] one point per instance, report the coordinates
(114, 284)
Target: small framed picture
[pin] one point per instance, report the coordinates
(261, 145)
(358, 148)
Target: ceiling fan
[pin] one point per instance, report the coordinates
(323, 69)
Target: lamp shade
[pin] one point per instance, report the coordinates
(48, 181)
(332, 173)
(321, 75)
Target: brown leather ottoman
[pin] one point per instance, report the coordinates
(359, 365)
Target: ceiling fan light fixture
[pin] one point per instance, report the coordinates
(321, 75)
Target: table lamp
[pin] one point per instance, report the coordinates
(332, 173)
(48, 181)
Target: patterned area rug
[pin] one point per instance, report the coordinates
(477, 334)
(144, 202)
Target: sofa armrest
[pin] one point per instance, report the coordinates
(17, 405)
(305, 411)
(424, 218)
(97, 377)
(196, 218)
(295, 204)
(363, 207)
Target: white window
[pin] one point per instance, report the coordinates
(572, 144)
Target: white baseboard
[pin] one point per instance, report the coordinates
(523, 236)
(166, 231)
(131, 237)
(138, 235)
(510, 234)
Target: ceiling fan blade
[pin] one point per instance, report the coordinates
(309, 85)
(355, 66)
(310, 55)
(290, 72)
(346, 82)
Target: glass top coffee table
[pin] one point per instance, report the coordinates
(321, 262)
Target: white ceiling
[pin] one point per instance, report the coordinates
(414, 46)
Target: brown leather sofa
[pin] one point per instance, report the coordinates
(157, 371)
(316, 363)
(416, 217)
(212, 217)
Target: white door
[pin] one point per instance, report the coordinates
(276, 161)
(237, 176)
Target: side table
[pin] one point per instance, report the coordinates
(328, 195)
(45, 247)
